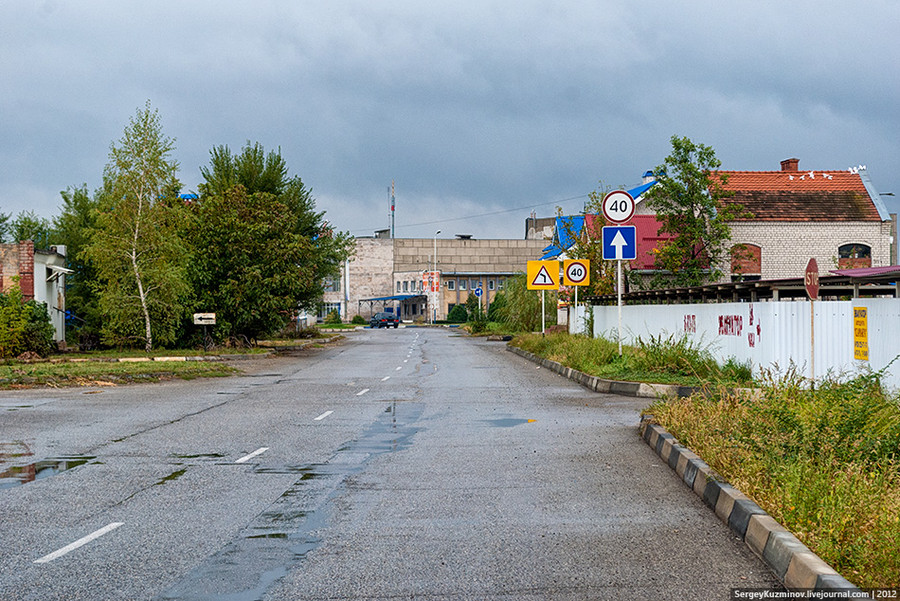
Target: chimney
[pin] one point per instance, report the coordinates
(790, 165)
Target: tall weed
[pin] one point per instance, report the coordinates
(823, 460)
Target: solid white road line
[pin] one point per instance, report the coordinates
(79, 543)
(323, 416)
(399, 368)
(362, 392)
(247, 458)
(385, 379)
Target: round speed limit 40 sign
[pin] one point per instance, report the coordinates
(576, 272)
(618, 206)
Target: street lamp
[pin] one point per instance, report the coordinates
(433, 275)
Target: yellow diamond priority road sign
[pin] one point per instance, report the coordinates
(543, 275)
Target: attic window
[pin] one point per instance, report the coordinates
(852, 256)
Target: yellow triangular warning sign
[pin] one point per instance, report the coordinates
(543, 275)
(542, 278)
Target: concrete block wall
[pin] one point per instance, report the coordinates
(466, 256)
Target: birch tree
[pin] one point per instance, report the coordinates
(135, 247)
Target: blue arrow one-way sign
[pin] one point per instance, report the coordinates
(619, 243)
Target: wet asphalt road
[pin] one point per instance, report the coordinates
(399, 464)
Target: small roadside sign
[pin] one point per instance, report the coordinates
(618, 206)
(619, 243)
(479, 292)
(860, 333)
(811, 279)
(576, 272)
(543, 275)
(204, 319)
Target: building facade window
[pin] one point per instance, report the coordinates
(462, 284)
(490, 284)
(332, 284)
(500, 283)
(405, 286)
(451, 284)
(746, 262)
(327, 308)
(398, 285)
(852, 256)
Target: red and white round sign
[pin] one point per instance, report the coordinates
(618, 206)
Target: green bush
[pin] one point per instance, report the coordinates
(358, 320)
(333, 318)
(496, 310)
(24, 326)
(458, 314)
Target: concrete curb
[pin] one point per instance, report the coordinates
(637, 389)
(791, 561)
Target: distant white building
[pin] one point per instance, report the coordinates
(41, 277)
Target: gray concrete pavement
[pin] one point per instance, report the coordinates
(439, 467)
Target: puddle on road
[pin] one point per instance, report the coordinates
(290, 528)
(23, 474)
(199, 456)
(507, 422)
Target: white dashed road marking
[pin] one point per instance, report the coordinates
(79, 543)
(247, 458)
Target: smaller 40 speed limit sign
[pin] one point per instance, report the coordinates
(618, 206)
(576, 272)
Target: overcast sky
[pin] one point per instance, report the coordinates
(481, 112)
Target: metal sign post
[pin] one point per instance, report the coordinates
(543, 276)
(576, 272)
(619, 242)
(619, 299)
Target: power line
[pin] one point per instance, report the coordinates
(531, 206)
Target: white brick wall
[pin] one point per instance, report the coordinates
(787, 246)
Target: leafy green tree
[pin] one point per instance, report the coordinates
(139, 258)
(4, 227)
(73, 228)
(24, 326)
(29, 226)
(260, 249)
(689, 202)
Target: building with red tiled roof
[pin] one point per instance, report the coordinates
(835, 216)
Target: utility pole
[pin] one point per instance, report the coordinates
(392, 209)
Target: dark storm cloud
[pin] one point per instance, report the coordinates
(472, 108)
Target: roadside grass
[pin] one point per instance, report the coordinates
(661, 360)
(133, 353)
(491, 328)
(824, 462)
(105, 373)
